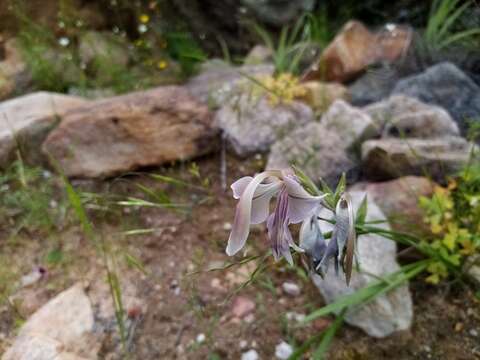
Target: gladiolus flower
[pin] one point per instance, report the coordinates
(293, 206)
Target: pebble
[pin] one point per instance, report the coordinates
(283, 351)
(473, 332)
(242, 306)
(250, 355)
(227, 226)
(290, 288)
(31, 278)
(243, 344)
(293, 316)
(250, 318)
(201, 338)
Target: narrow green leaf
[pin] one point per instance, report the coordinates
(327, 338)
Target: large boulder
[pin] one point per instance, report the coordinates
(375, 85)
(405, 116)
(217, 81)
(447, 86)
(355, 48)
(61, 329)
(387, 313)
(398, 200)
(318, 151)
(327, 149)
(252, 124)
(352, 124)
(119, 134)
(393, 157)
(26, 121)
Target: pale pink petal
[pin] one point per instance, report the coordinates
(261, 203)
(239, 186)
(301, 205)
(241, 224)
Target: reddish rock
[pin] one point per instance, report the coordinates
(398, 199)
(123, 133)
(355, 48)
(242, 306)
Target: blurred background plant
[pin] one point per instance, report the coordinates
(444, 26)
(453, 213)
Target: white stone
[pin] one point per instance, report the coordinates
(250, 355)
(291, 288)
(201, 338)
(377, 258)
(283, 351)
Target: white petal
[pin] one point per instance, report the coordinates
(239, 186)
(261, 203)
(301, 205)
(241, 224)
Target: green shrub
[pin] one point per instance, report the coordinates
(453, 213)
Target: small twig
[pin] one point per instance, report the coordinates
(223, 162)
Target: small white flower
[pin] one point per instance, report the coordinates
(64, 41)
(142, 28)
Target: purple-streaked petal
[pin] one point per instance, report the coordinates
(278, 232)
(261, 203)
(301, 205)
(241, 224)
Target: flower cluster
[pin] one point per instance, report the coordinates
(294, 205)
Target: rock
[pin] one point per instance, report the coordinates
(102, 46)
(375, 85)
(61, 329)
(278, 13)
(259, 54)
(39, 347)
(473, 266)
(250, 355)
(217, 81)
(252, 125)
(353, 125)
(14, 74)
(391, 157)
(355, 48)
(319, 95)
(123, 133)
(398, 200)
(200, 339)
(291, 288)
(26, 121)
(404, 116)
(283, 351)
(447, 86)
(242, 306)
(316, 150)
(377, 258)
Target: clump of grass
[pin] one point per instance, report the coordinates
(442, 28)
(29, 200)
(290, 46)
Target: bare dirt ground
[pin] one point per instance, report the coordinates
(186, 312)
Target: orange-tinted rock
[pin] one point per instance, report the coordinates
(123, 133)
(355, 48)
(398, 199)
